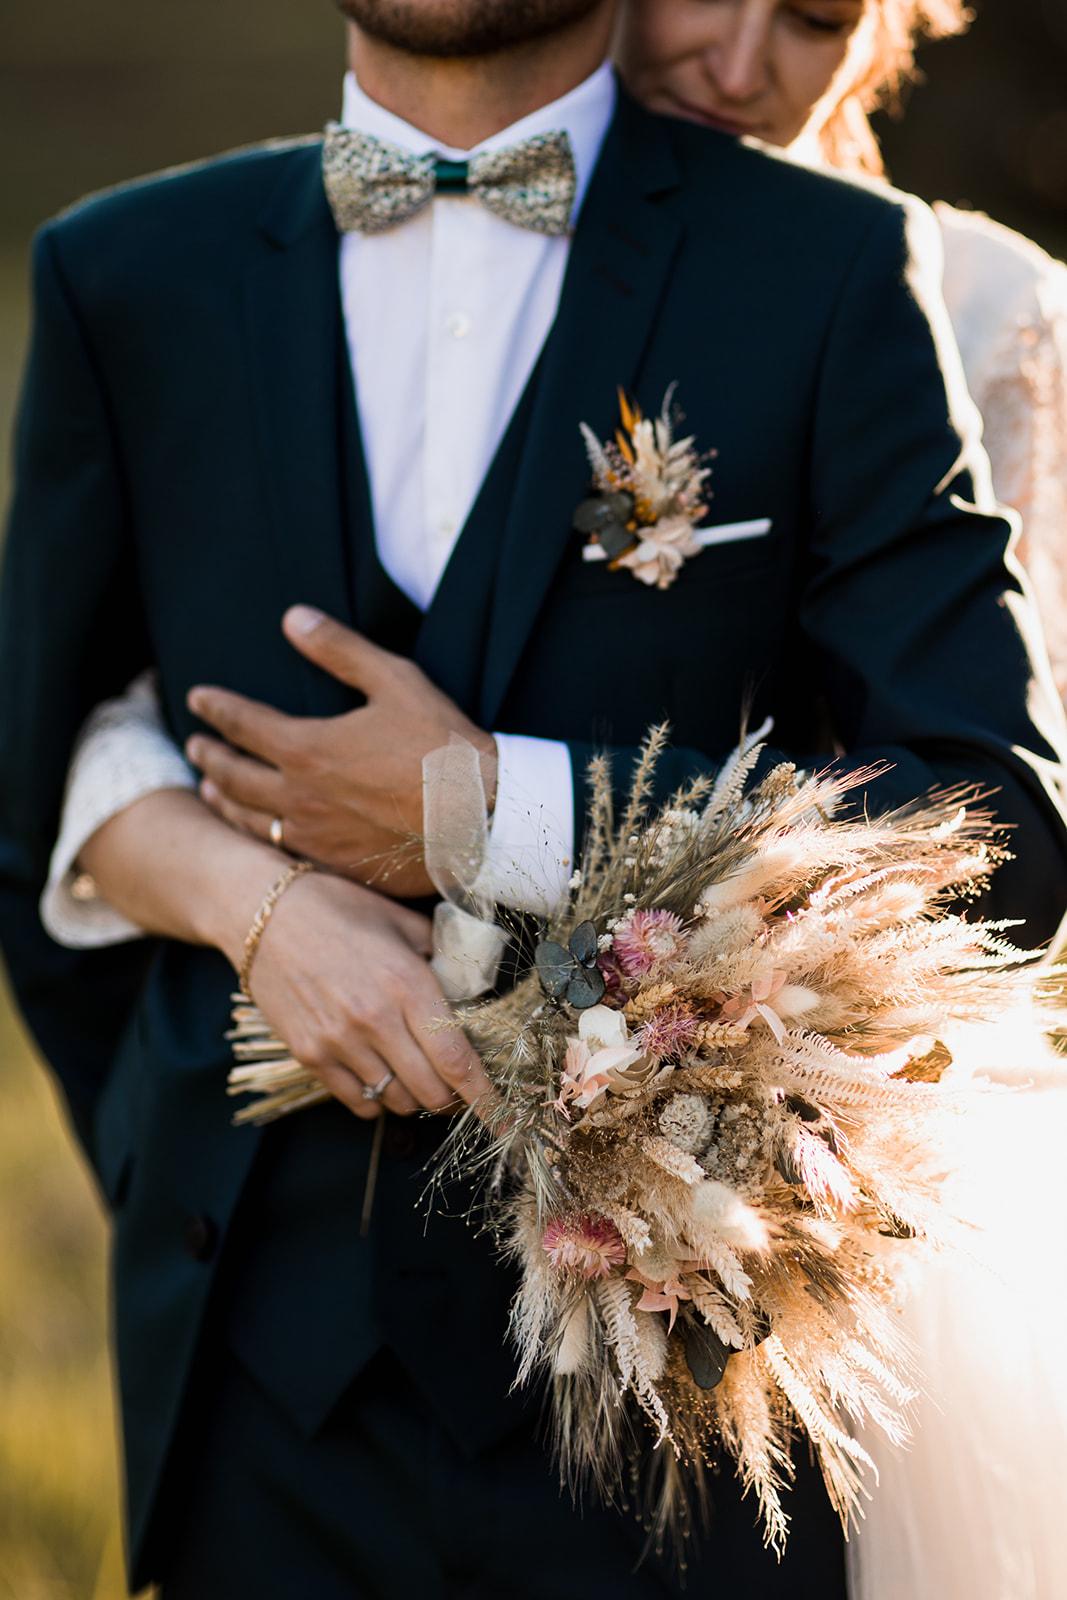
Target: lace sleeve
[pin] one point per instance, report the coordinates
(1009, 306)
(123, 753)
(1026, 411)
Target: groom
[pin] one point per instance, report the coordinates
(211, 431)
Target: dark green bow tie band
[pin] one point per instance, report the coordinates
(373, 186)
(452, 177)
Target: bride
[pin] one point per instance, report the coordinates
(972, 1509)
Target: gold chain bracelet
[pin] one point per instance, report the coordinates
(262, 917)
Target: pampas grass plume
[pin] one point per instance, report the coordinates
(721, 1211)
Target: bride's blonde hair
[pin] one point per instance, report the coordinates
(893, 30)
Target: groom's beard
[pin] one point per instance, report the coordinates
(457, 28)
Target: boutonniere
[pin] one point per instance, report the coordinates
(649, 495)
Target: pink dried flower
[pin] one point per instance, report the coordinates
(661, 1294)
(612, 975)
(590, 1245)
(746, 1007)
(602, 1051)
(668, 1032)
(645, 938)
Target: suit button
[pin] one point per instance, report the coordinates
(400, 1137)
(200, 1237)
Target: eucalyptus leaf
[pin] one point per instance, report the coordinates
(555, 967)
(601, 511)
(705, 1354)
(586, 988)
(572, 974)
(615, 540)
(583, 943)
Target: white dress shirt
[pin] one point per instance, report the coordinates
(445, 316)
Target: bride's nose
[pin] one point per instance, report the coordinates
(739, 61)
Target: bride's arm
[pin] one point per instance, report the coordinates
(340, 973)
(123, 754)
(167, 867)
(1025, 405)
(1008, 302)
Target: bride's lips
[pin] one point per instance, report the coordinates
(712, 119)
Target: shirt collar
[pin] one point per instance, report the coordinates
(584, 114)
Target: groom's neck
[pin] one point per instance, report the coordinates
(460, 102)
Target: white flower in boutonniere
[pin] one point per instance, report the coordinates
(648, 496)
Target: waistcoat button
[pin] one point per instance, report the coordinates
(200, 1237)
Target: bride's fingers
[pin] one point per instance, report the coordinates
(362, 1069)
(344, 1085)
(411, 1062)
(415, 929)
(372, 1070)
(451, 1057)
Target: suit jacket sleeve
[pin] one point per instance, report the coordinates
(71, 634)
(914, 623)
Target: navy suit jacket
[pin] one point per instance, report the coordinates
(179, 484)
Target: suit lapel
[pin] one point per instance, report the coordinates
(624, 244)
(294, 329)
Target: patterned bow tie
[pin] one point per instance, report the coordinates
(372, 186)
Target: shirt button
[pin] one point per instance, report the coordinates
(446, 527)
(458, 324)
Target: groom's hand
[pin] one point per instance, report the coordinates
(348, 789)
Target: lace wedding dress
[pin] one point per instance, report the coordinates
(974, 1510)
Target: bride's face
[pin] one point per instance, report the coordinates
(760, 67)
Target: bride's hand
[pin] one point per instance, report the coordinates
(341, 974)
(346, 791)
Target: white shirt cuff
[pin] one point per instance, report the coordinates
(530, 857)
(123, 753)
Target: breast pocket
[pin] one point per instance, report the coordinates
(729, 551)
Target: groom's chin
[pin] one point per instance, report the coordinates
(457, 28)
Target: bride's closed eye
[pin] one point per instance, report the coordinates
(824, 25)
(835, 22)
(831, 18)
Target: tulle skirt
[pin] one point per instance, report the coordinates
(976, 1507)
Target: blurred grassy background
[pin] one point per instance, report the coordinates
(90, 95)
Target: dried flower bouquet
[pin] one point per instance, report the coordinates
(724, 1123)
(724, 1112)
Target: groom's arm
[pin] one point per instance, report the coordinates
(926, 644)
(71, 633)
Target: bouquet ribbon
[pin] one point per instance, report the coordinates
(468, 943)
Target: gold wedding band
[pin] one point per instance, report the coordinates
(374, 1091)
(277, 832)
